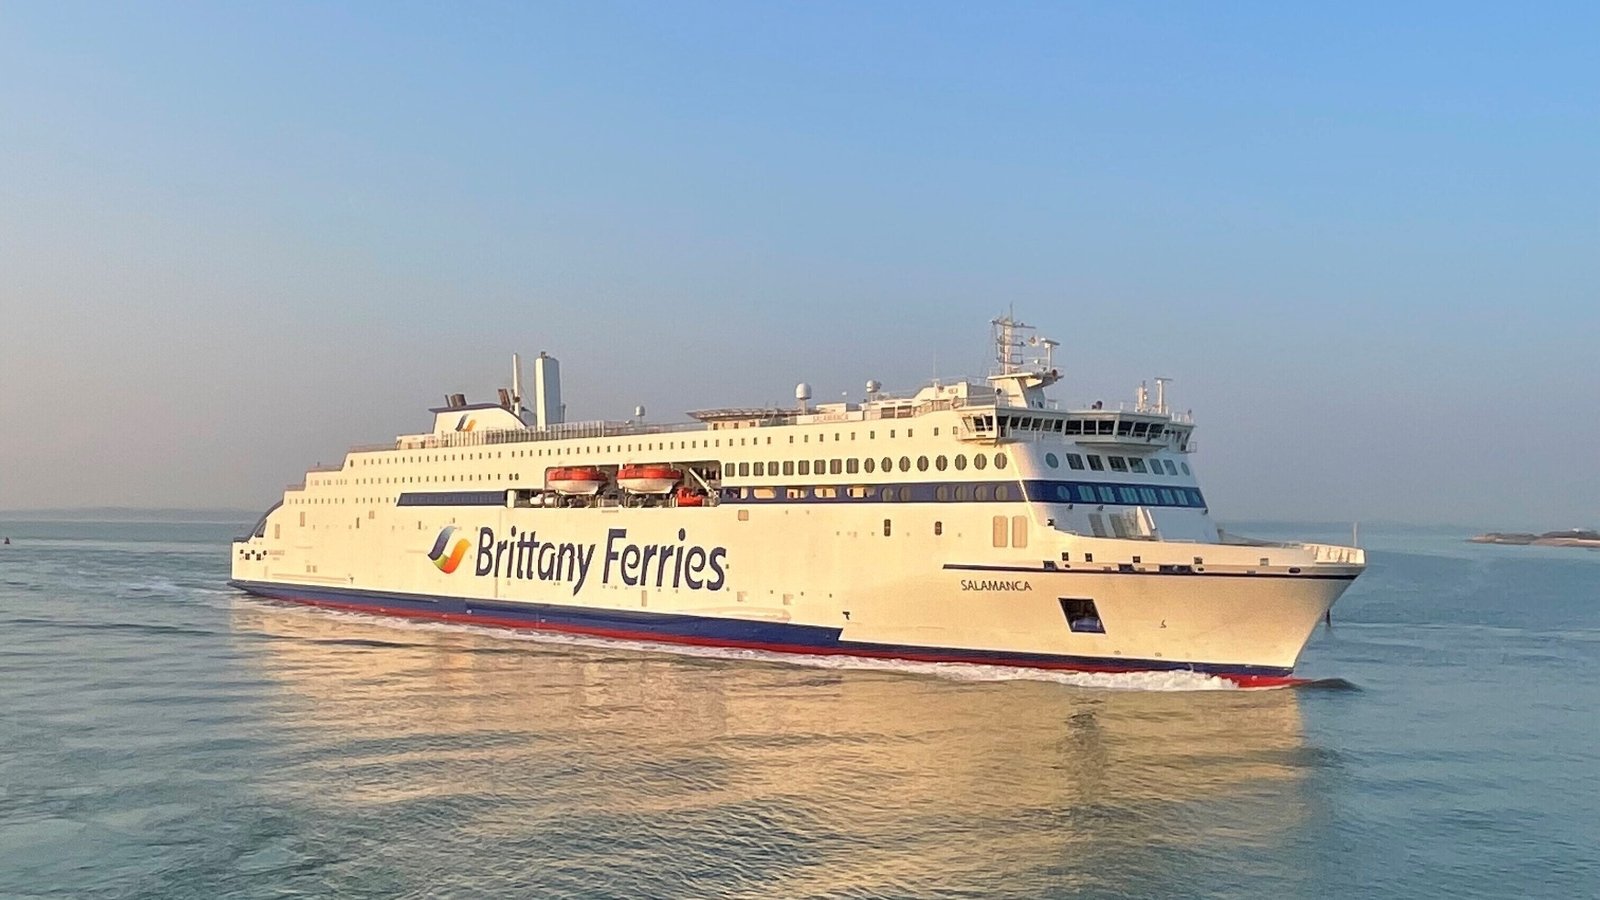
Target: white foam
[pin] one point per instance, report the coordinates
(1115, 681)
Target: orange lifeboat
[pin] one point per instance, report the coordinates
(650, 478)
(575, 480)
(686, 497)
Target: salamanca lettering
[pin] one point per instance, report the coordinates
(995, 585)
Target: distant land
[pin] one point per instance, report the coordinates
(1576, 537)
(131, 514)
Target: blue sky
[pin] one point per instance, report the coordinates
(1364, 239)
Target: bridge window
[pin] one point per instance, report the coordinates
(1118, 464)
(1136, 464)
(1074, 426)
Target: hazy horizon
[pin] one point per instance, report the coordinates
(1365, 242)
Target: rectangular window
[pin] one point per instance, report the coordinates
(1171, 469)
(805, 467)
(1136, 464)
(1107, 495)
(1104, 426)
(788, 467)
(1086, 493)
(1128, 495)
(1118, 464)
(1074, 426)
(744, 469)
(1124, 427)
(1074, 461)
(1148, 495)
(1167, 499)
(1096, 464)
(821, 467)
(761, 468)
(852, 466)
(1082, 616)
(835, 467)
(1019, 531)
(885, 527)
(1001, 530)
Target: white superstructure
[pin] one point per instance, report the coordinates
(967, 522)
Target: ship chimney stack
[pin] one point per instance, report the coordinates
(547, 407)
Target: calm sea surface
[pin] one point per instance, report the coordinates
(163, 736)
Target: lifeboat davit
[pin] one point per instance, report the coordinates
(575, 480)
(648, 479)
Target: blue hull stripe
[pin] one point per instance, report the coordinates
(706, 630)
(1065, 569)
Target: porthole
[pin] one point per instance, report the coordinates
(888, 464)
(981, 492)
(922, 464)
(941, 462)
(1051, 460)
(905, 463)
(941, 493)
(1063, 493)
(869, 465)
(1002, 492)
(999, 460)
(961, 493)
(961, 462)
(979, 461)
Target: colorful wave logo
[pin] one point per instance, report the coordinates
(448, 563)
(466, 422)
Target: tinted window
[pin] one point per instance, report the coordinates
(1096, 464)
(805, 467)
(1074, 460)
(1171, 469)
(1118, 464)
(1136, 464)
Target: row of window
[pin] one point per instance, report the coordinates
(978, 492)
(1058, 425)
(1118, 464)
(854, 465)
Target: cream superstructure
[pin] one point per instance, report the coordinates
(969, 522)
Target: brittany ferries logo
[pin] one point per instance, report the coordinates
(447, 555)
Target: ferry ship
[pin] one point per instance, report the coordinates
(975, 521)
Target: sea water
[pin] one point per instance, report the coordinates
(164, 736)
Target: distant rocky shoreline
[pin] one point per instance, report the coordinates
(1576, 537)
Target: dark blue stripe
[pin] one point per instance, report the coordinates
(713, 630)
(1034, 490)
(1066, 569)
(452, 498)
